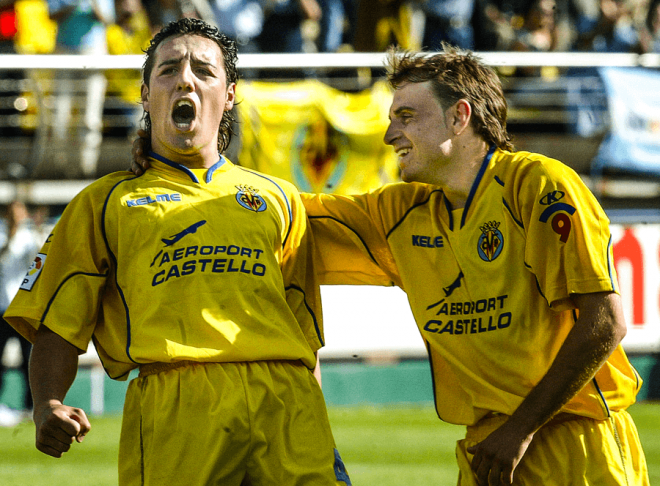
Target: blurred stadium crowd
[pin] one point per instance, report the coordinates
(51, 118)
(124, 26)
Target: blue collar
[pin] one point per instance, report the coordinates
(186, 170)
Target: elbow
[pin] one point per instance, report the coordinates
(620, 330)
(617, 320)
(608, 316)
(613, 333)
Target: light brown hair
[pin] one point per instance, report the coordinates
(456, 74)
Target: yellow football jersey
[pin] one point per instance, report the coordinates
(489, 284)
(177, 264)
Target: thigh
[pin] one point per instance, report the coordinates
(292, 441)
(586, 452)
(623, 431)
(185, 427)
(576, 452)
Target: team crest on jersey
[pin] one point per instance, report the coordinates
(491, 241)
(249, 198)
(33, 272)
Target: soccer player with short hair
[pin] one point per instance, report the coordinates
(506, 258)
(198, 273)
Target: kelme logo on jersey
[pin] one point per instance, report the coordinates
(551, 198)
(143, 201)
(491, 241)
(33, 272)
(249, 198)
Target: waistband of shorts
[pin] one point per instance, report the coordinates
(494, 420)
(563, 417)
(153, 368)
(559, 418)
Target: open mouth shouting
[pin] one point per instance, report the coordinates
(183, 114)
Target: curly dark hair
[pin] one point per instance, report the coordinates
(457, 74)
(188, 26)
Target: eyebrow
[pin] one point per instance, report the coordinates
(195, 60)
(401, 109)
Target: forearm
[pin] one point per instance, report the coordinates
(596, 334)
(53, 367)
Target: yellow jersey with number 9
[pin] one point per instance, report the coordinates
(489, 284)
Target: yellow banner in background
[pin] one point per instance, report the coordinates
(319, 138)
(36, 32)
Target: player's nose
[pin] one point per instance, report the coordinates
(390, 135)
(185, 81)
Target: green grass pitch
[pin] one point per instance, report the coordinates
(385, 445)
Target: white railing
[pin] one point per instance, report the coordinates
(542, 101)
(334, 60)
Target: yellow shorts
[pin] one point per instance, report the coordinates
(579, 451)
(230, 424)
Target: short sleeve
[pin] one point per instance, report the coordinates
(568, 243)
(63, 286)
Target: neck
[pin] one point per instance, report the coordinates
(187, 167)
(462, 171)
(196, 158)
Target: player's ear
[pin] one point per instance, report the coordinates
(460, 115)
(144, 96)
(231, 96)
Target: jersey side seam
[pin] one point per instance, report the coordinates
(515, 220)
(114, 261)
(309, 309)
(118, 377)
(602, 397)
(435, 395)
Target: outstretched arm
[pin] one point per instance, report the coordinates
(599, 329)
(53, 367)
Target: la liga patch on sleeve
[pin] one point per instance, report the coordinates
(33, 272)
